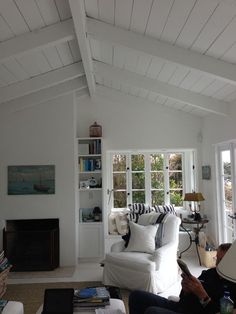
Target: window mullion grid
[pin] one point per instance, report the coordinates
(148, 185)
(222, 193)
(166, 179)
(111, 185)
(233, 182)
(233, 175)
(129, 180)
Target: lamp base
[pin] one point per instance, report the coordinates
(197, 217)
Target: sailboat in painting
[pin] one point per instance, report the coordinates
(41, 187)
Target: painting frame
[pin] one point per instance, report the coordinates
(31, 180)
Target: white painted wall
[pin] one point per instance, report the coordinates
(37, 135)
(216, 129)
(137, 125)
(45, 133)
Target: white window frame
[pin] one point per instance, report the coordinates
(189, 173)
(221, 221)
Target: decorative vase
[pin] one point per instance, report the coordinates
(95, 130)
(97, 213)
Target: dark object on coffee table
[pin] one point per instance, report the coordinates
(58, 301)
(114, 292)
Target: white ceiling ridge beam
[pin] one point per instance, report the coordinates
(184, 96)
(38, 39)
(77, 84)
(41, 81)
(79, 19)
(117, 36)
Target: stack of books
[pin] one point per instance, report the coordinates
(91, 298)
(4, 263)
(5, 267)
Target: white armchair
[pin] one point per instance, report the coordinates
(154, 272)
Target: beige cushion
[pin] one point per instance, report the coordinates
(112, 229)
(142, 238)
(121, 223)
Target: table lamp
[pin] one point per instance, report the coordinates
(226, 267)
(196, 198)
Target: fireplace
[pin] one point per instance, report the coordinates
(32, 244)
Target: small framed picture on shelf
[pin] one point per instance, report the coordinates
(84, 185)
(98, 164)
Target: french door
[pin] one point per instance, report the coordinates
(226, 162)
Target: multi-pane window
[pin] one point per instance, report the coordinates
(119, 180)
(153, 178)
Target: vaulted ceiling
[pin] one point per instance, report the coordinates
(176, 53)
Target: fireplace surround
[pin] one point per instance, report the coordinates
(32, 244)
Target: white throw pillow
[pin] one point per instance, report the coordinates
(112, 229)
(142, 238)
(148, 219)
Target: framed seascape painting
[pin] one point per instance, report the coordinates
(24, 180)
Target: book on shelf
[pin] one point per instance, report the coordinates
(86, 164)
(95, 147)
(88, 298)
(3, 303)
(1, 256)
(4, 263)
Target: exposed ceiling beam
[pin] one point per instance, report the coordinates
(187, 97)
(118, 36)
(42, 81)
(79, 19)
(45, 95)
(119, 96)
(47, 36)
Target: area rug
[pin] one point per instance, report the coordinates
(60, 272)
(31, 295)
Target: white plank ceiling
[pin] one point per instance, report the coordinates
(202, 30)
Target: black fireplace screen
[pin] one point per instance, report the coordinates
(32, 244)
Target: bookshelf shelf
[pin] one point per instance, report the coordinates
(90, 196)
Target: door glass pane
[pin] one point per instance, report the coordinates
(137, 163)
(157, 198)
(157, 180)
(175, 162)
(176, 198)
(138, 196)
(120, 199)
(175, 179)
(157, 162)
(229, 223)
(119, 181)
(119, 162)
(138, 180)
(228, 194)
(226, 163)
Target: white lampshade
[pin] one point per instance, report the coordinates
(226, 268)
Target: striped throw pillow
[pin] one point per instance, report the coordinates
(138, 209)
(164, 209)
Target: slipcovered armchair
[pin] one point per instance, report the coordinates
(143, 264)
